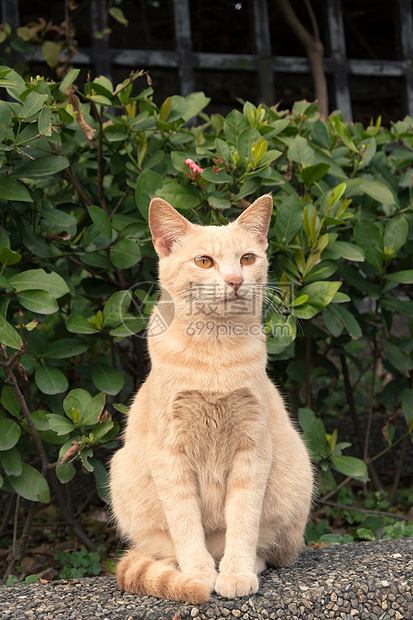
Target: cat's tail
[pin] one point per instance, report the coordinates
(140, 573)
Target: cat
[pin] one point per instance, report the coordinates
(213, 482)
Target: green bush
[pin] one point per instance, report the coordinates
(79, 271)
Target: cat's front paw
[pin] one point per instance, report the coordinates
(207, 577)
(232, 585)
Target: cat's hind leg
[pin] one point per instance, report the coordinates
(288, 543)
(260, 564)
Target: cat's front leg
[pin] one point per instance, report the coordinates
(177, 491)
(246, 488)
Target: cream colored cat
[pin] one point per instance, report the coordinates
(213, 482)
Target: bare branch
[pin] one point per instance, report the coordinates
(314, 50)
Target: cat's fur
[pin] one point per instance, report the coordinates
(213, 482)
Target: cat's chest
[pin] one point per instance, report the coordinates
(210, 427)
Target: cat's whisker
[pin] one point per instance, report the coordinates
(196, 217)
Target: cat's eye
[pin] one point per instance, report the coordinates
(248, 259)
(204, 261)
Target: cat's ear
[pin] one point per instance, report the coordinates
(256, 218)
(167, 226)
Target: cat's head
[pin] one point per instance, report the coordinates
(223, 268)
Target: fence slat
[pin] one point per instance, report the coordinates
(10, 13)
(263, 51)
(100, 46)
(338, 58)
(405, 29)
(183, 39)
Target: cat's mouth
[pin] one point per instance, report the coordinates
(233, 297)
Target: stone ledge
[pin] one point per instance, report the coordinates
(368, 580)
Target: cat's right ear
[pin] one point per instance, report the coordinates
(167, 226)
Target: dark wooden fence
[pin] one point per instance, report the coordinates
(262, 62)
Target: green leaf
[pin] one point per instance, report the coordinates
(395, 235)
(65, 472)
(289, 219)
(9, 401)
(300, 151)
(40, 420)
(312, 174)
(32, 104)
(41, 167)
(102, 479)
(10, 189)
(77, 399)
(343, 132)
(34, 241)
(178, 161)
(195, 103)
(45, 122)
(336, 194)
(31, 485)
(107, 379)
(101, 429)
(336, 318)
(344, 249)
(178, 108)
(38, 301)
(376, 190)
(60, 424)
(125, 254)
(244, 143)
(350, 466)
(320, 295)
(402, 277)
(51, 52)
(77, 324)
(249, 187)
(216, 177)
(69, 79)
(222, 149)
(398, 305)
(11, 461)
(218, 202)
(103, 83)
(101, 220)
(9, 433)
(90, 415)
(179, 195)
(64, 348)
(116, 307)
(369, 238)
(306, 419)
(130, 325)
(320, 135)
(398, 358)
(38, 279)
(117, 14)
(8, 257)
(100, 99)
(146, 186)
(165, 110)
(9, 335)
(50, 380)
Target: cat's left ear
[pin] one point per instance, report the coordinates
(167, 226)
(256, 218)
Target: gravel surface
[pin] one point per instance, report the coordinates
(368, 580)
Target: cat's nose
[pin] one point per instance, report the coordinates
(234, 281)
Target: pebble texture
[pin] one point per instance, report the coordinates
(369, 580)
